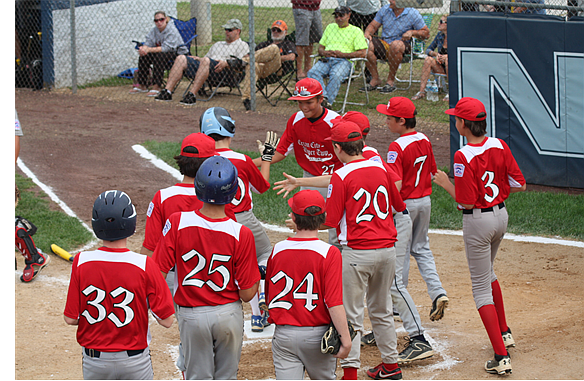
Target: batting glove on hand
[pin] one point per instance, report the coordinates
(268, 149)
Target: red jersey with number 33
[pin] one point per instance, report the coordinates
(359, 204)
(304, 278)
(412, 159)
(214, 258)
(110, 292)
(485, 173)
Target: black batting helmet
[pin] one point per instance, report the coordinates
(114, 216)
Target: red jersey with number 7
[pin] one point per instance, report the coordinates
(304, 278)
(485, 173)
(110, 292)
(412, 159)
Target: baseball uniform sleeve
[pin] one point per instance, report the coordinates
(335, 201)
(159, 296)
(154, 221)
(164, 255)
(516, 179)
(464, 184)
(72, 306)
(394, 159)
(246, 268)
(333, 282)
(287, 138)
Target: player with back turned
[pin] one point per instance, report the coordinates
(110, 292)
(485, 173)
(305, 263)
(216, 268)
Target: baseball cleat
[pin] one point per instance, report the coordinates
(508, 338)
(264, 320)
(499, 365)
(31, 270)
(368, 339)
(438, 307)
(416, 350)
(396, 317)
(262, 302)
(381, 373)
(256, 323)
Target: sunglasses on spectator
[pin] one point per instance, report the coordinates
(443, 22)
(159, 20)
(229, 30)
(276, 30)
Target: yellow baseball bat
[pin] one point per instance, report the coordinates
(62, 253)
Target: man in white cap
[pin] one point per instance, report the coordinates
(220, 57)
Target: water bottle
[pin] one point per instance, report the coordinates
(429, 90)
(433, 91)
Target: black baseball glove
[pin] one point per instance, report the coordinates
(331, 340)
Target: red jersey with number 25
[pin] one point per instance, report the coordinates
(313, 154)
(485, 173)
(248, 177)
(304, 278)
(110, 292)
(359, 204)
(214, 258)
(412, 159)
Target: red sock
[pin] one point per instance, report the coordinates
(498, 300)
(349, 373)
(491, 322)
(390, 366)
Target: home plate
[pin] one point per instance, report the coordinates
(266, 334)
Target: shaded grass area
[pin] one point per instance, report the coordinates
(54, 226)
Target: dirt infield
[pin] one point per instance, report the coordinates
(81, 145)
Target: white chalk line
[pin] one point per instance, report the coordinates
(531, 239)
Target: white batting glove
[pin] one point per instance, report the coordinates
(268, 148)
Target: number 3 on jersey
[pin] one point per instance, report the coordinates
(489, 176)
(308, 295)
(101, 310)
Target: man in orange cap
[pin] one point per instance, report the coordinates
(273, 56)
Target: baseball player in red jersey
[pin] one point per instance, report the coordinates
(412, 159)
(110, 292)
(216, 268)
(217, 123)
(304, 291)
(360, 197)
(485, 173)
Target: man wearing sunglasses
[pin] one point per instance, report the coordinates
(340, 42)
(219, 58)
(275, 56)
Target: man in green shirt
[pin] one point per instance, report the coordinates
(339, 43)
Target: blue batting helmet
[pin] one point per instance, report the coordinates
(216, 181)
(113, 216)
(216, 120)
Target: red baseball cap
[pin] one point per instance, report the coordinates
(306, 88)
(468, 108)
(203, 143)
(280, 24)
(342, 129)
(359, 119)
(305, 199)
(400, 107)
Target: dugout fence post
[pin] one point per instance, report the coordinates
(252, 72)
(73, 49)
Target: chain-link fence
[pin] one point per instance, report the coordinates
(147, 50)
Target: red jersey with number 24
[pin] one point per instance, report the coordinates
(359, 204)
(214, 258)
(110, 292)
(304, 278)
(412, 159)
(485, 173)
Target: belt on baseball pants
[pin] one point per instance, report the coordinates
(405, 211)
(96, 354)
(484, 210)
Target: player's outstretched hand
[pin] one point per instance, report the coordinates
(441, 178)
(291, 225)
(268, 148)
(287, 185)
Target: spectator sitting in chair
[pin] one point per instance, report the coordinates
(223, 55)
(340, 42)
(435, 61)
(276, 56)
(399, 26)
(162, 44)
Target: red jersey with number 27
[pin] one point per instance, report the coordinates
(110, 292)
(214, 258)
(485, 173)
(412, 159)
(304, 278)
(359, 204)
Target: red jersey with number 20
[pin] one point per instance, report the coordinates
(110, 292)
(304, 278)
(214, 258)
(412, 159)
(485, 173)
(359, 204)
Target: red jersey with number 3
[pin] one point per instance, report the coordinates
(313, 154)
(177, 198)
(304, 278)
(485, 173)
(359, 204)
(110, 292)
(412, 159)
(214, 258)
(249, 179)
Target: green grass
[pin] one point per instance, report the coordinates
(53, 226)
